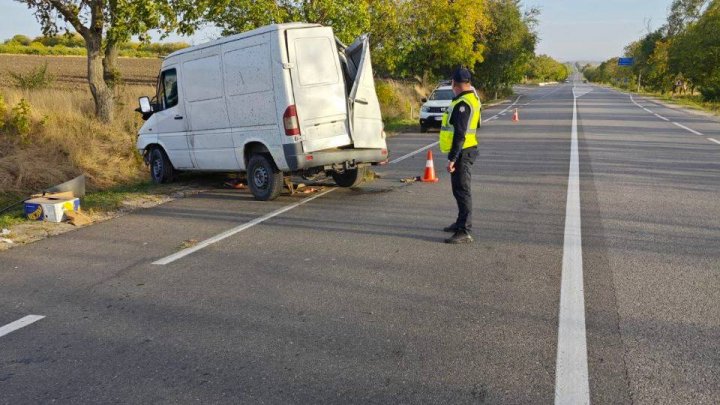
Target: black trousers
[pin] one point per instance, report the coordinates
(460, 180)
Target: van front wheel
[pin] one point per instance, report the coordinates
(264, 179)
(161, 170)
(349, 177)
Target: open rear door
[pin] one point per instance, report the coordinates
(366, 126)
(318, 87)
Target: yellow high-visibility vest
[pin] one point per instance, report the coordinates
(447, 130)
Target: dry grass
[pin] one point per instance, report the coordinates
(65, 140)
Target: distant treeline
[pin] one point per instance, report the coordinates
(73, 44)
(680, 57)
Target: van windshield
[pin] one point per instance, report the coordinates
(442, 95)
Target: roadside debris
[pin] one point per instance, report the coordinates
(5, 232)
(410, 179)
(236, 184)
(77, 218)
(188, 244)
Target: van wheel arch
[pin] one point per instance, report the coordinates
(256, 148)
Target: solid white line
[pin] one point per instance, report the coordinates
(661, 117)
(20, 323)
(233, 231)
(687, 129)
(571, 371)
(714, 140)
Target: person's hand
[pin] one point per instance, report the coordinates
(451, 166)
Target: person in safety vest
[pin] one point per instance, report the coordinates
(459, 141)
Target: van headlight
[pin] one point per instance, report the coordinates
(424, 108)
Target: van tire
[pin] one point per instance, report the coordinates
(161, 169)
(264, 178)
(349, 177)
(423, 128)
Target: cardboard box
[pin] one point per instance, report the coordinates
(50, 208)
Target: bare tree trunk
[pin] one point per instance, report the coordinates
(111, 72)
(100, 91)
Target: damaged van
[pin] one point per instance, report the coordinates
(281, 100)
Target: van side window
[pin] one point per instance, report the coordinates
(168, 92)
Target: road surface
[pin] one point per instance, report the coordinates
(595, 276)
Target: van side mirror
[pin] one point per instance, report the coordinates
(424, 100)
(145, 107)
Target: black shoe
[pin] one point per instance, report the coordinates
(452, 228)
(459, 237)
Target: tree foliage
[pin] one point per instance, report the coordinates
(544, 68)
(686, 50)
(510, 44)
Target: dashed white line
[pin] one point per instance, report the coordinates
(207, 242)
(686, 128)
(415, 152)
(20, 323)
(571, 372)
(666, 119)
(713, 140)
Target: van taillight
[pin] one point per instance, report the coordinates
(290, 121)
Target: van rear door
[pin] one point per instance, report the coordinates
(317, 83)
(366, 126)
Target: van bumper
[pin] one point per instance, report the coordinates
(297, 160)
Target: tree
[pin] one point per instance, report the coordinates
(104, 24)
(544, 68)
(510, 45)
(436, 36)
(696, 52)
(683, 13)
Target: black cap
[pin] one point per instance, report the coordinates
(461, 75)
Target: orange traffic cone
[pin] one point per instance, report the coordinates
(429, 176)
(516, 117)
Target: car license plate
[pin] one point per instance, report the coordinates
(438, 118)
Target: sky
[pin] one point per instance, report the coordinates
(570, 30)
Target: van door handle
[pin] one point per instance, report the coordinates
(360, 101)
(178, 117)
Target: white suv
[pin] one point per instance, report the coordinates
(432, 111)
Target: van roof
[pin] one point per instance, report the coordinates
(258, 31)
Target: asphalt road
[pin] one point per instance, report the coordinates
(353, 298)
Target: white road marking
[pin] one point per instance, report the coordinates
(426, 147)
(230, 232)
(571, 371)
(20, 323)
(713, 140)
(665, 119)
(686, 128)
(415, 152)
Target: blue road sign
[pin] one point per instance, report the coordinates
(625, 61)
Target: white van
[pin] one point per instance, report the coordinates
(279, 100)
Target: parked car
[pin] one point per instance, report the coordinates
(434, 106)
(279, 100)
